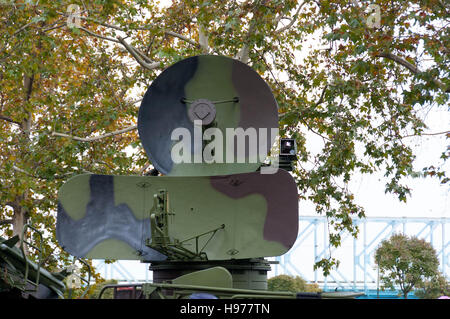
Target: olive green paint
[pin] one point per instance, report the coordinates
(213, 81)
(198, 208)
(211, 277)
(76, 195)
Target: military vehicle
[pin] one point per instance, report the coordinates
(23, 278)
(213, 209)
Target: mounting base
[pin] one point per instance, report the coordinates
(246, 273)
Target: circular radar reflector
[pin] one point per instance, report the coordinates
(208, 115)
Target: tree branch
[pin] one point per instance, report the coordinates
(320, 101)
(243, 54)
(410, 67)
(28, 85)
(38, 201)
(400, 61)
(167, 32)
(427, 134)
(22, 171)
(18, 169)
(294, 18)
(104, 24)
(23, 28)
(57, 26)
(98, 35)
(144, 168)
(8, 119)
(138, 57)
(181, 37)
(322, 95)
(127, 46)
(95, 138)
(203, 39)
(136, 101)
(143, 60)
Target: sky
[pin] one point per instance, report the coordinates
(429, 198)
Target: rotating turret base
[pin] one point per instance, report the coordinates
(246, 273)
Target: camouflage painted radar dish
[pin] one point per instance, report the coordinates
(220, 93)
(107, 217)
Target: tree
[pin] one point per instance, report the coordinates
(292, 284)
(50, 82)
(406, 261)
(434, 288)
(69, 91)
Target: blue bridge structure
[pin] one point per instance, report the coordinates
(357, 270)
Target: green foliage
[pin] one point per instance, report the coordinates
(291, 284)
(94, 292)
(406, 261)
(434, 288)
(357, 90)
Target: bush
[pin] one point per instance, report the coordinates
(434, 288)
(291, 284)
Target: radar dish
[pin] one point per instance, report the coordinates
(216, 115)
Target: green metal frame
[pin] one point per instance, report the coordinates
(87, 281)
(18, 268)
(161, 239)
(181, 291)
(39, 249)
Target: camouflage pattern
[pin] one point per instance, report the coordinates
(249, 215)
(102, 216)
(166, 103)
